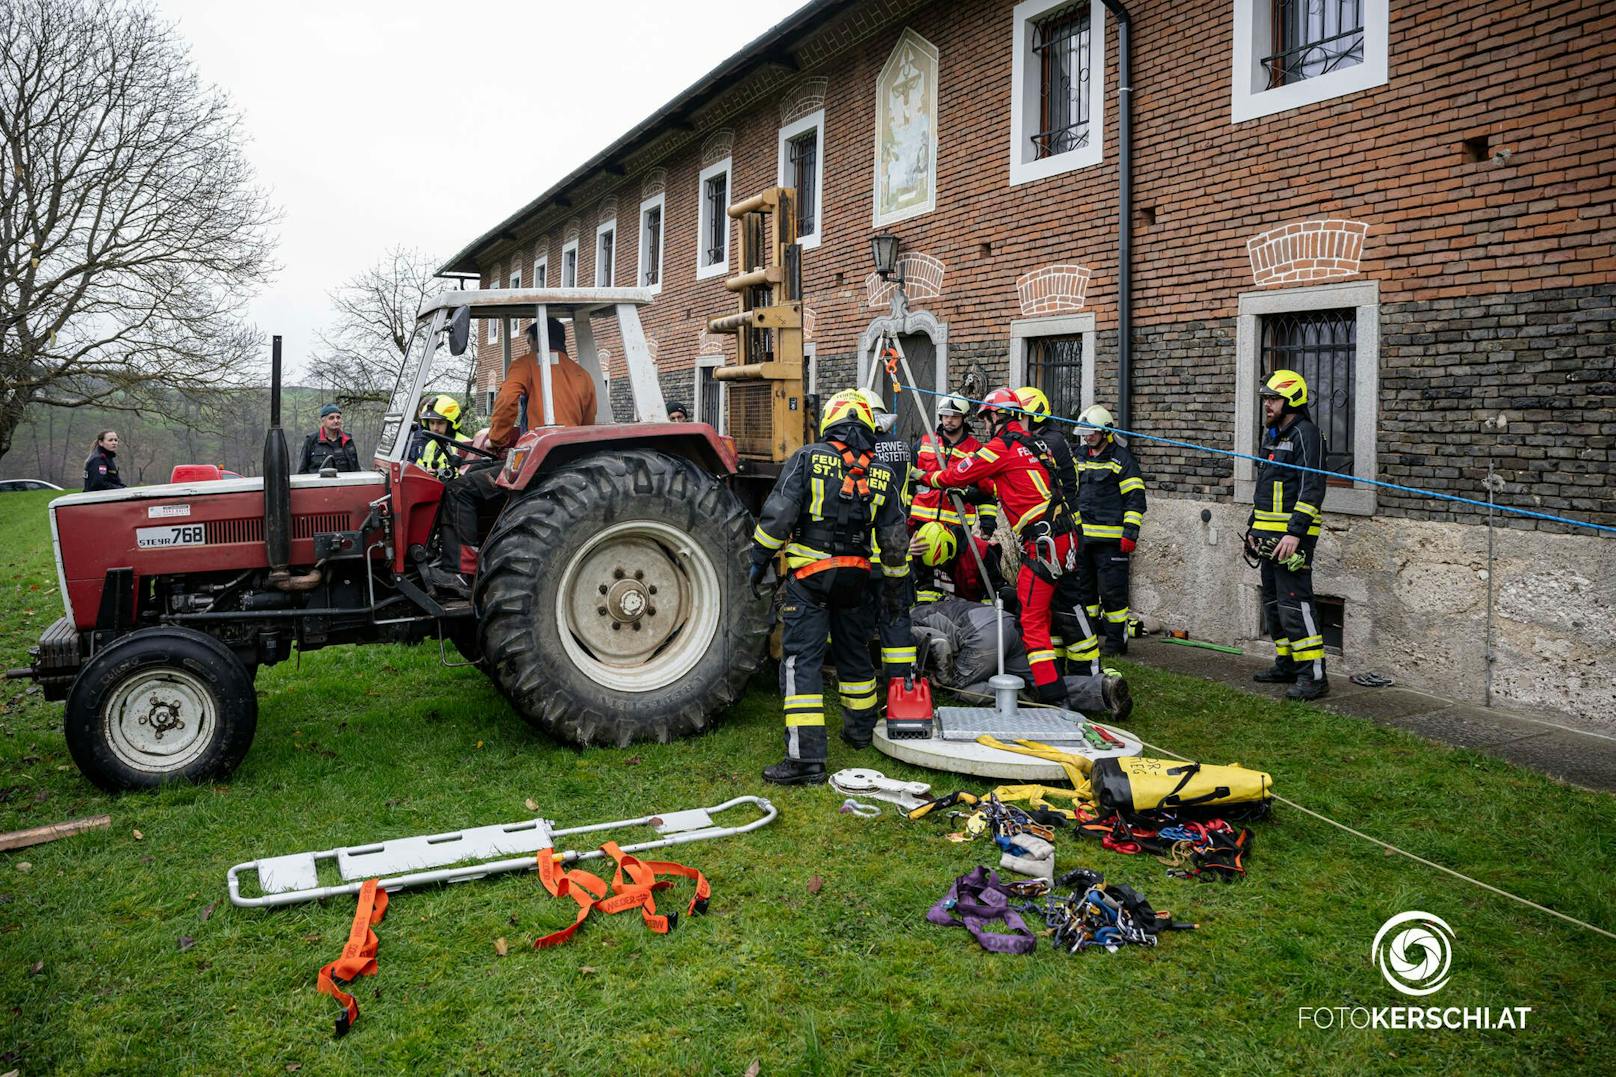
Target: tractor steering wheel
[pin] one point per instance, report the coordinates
(452, 445)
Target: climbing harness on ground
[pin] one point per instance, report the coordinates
(1100, 915)
(633, 885)
(977, 899)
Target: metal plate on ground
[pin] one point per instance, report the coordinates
(441, 850)
(969, 757)
(283, 874)
(677, 822)
(1060, 727)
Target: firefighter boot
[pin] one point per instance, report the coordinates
(1283, 671)
(796, 772)
(1118, 697)
(1310, 687)
(1116, 639)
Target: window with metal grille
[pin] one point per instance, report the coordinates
(569, 267)
(1322, 346)
(709, 398)
(1061, 50)
(803, 155)
(715, 214)
(1314, 37)
(605, 257)
(541, 274)
(1055, 365)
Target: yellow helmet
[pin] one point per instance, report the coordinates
(1033, 402)
(444, 407)
(1288, 385)
(939, 542)
(846, 406)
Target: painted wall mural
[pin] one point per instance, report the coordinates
(906, 131)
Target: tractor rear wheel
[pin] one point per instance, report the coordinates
(613, 599)
(160, 705)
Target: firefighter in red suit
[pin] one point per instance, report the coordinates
(1020, 474)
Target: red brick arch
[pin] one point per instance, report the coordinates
(1305, 252)
(1053, 289)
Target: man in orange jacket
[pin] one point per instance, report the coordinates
(463, 498)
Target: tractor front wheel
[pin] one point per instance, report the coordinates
(159, 705)
(613, 599)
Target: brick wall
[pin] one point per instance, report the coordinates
(1496, 275)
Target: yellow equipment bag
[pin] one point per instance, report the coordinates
(1135, 784)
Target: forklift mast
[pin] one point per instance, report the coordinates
(770, 416)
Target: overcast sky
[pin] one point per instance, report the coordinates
(358, 109)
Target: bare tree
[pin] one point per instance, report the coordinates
(132, 230)
(361, 353)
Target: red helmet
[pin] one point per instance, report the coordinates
(1002, 400)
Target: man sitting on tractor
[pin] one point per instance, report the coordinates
(463, 498)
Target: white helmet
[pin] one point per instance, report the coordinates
(953, 405)
(885, 417)
(1096, 415)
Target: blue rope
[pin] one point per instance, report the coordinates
(1317, 471)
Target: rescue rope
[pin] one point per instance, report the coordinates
(1366, 837)
(1315, 470)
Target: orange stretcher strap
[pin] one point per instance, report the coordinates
(633, 885)
(358, 956)
(828, 563)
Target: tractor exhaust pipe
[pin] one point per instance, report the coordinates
(277, 479)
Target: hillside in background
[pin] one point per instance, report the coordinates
(225, 428)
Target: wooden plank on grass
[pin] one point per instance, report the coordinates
(20, 839)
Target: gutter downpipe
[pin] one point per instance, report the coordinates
(1124, 215)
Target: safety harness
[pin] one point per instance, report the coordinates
(977, 899)
(847, 526)
(633, 885)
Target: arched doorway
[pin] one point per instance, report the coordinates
(924, 341)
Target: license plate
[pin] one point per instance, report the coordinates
(149, 538)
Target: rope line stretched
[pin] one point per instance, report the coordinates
(1434, 494)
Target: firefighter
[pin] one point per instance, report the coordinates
(1283, 531)
(830, 500)
(1082, 654)
(951, 441)
(442, 417)
(1019, 470)
(897, 641)
(1111, 500)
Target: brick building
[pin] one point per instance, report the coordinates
(1412, 202)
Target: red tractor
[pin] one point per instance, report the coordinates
(610, 604)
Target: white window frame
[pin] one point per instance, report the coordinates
(704, 221)
(814, 121)
(494, 323)
(515, 281)
(569, 247)
(611, 268)
(1253, 29)
(541, 267)
(657, 202)
(1061, 325)
(810, 359)
(1364, 297)
(1024, 92)
(720, 422)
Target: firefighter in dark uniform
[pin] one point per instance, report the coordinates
(1111, 500)
(896, 634)
(1080, 656)
(1283, 531)
(831, 500)
(1020, 471)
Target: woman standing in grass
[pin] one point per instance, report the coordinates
(101, 468)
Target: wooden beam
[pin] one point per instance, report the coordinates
(21, 839)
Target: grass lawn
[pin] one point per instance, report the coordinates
(846, 976)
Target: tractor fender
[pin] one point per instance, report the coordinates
(540, 451)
